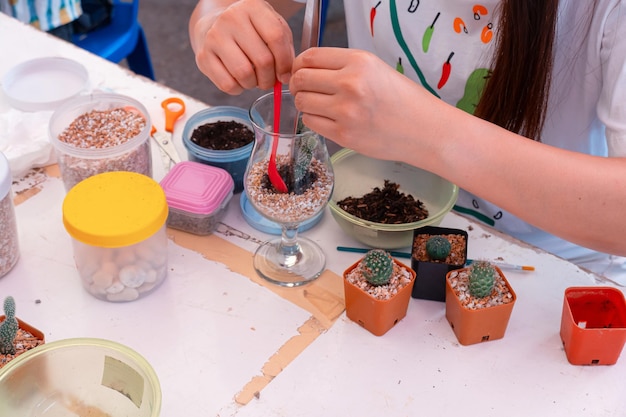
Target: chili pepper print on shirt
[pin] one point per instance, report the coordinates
(445, 46)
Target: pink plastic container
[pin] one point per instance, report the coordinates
(197, 195)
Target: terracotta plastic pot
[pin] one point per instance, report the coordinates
(30, 329)
(593, 325)
(377, 316)
(481, 325)
(430, 283)
(27, 327)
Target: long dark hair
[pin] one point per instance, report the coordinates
(516, 92)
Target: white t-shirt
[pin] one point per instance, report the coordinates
(446, 47)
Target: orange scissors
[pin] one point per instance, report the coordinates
(174, 108)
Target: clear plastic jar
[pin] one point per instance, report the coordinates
(9, 247)
(117, 223)
(101, 133)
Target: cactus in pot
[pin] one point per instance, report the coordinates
(377, 267)
(8, 328)
(482, 278)
(438, 248)
(377, 290)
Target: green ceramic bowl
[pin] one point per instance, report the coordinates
(357, 175)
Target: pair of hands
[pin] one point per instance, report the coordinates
(349, 96)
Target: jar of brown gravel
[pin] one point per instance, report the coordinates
(100, 133)
(9, 249)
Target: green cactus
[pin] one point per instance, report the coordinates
(304, 146)
(438, 248)
(8, 328)
(377, 267)
(482, 278)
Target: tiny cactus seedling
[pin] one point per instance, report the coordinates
(8, 328)
(377, 267)
(438, 248)
(482, 278)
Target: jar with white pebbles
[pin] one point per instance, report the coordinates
(9, 248)
(117, 224)
(99, 133)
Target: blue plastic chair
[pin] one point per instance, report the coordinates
(123, 38)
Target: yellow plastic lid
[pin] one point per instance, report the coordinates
(114, 209)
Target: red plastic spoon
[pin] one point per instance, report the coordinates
(272, 171)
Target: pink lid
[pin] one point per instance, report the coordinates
(197, 188)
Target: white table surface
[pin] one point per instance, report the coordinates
(224, 343)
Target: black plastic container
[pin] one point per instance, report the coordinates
(430, 283)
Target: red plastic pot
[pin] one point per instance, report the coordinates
(593, 325)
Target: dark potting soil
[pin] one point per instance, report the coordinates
(385, 205)
(296, 187)
(222, 135)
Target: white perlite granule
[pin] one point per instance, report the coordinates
(289, 207)
(103, 129)
(9, 250)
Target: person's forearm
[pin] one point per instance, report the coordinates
(576, 196)
(206, 10)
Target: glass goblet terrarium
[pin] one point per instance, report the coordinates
(304, 166)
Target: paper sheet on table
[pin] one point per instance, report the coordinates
(24, 140)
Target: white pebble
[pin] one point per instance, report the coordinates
(111, 267)
(144, 251)
(115, 288)
(128, 294)
(133, 276)
(87, 268)
(96, 290)
(125, 257)
(147, 287)
(102, 278)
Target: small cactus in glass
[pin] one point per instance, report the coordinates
(377, 267)
(438, 248)
(8, 328)
(482, 278)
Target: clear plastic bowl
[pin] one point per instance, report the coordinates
(78, 163)
(233, 161)
(357, 175)
(82, 376)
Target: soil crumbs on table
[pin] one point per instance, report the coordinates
(385, 205)
(24, 341)
(222, 135)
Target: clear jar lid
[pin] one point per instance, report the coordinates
(5, 176)
(114, 209)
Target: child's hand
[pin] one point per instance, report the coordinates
(244, 46)
(357, 100)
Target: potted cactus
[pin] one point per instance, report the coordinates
(435, 252)
(479, 302)
(16, 336)
(377, 291)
